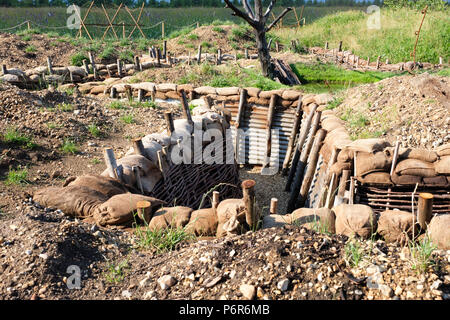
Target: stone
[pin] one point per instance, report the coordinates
(126, 294)
(149, 294)
(167, 281)
(248, 291)
(283, 284)
(386, 291)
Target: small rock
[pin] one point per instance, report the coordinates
(320, 277)
(232, 253)
(248, 291)
(126, 294)
(386, 291)
(43, 256)
(409, 295)
(283, 284)
(398, 291)
(167, 281)
(435, 285)
(149, 294)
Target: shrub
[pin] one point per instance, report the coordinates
(77, 59)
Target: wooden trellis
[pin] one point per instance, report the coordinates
(111, 24)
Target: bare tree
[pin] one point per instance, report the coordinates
(258, 21)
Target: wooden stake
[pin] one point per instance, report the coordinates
(4, 70)
(343, 183)
(378, 62)
(246, 53)
(119, 68)
(241, 107)
(162, 31)
(113, 93)
(352, 190)
(169, 122)
(326, 45)
(138, 147)
(395, 158)
(49, 65)
(110, 161)
(94, 68)
(141, 93)
(297, 121)
(144, 210)
(86, 66)
(340, 46)
(425, 209)
(164, 49)
(270, 114)
(137, 175)
(185, 105)
(273, 206)
(215, 201)
(158, 58)
(248, 191)
(199, 54)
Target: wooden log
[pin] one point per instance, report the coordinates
(248, 191)
(4, 70)
(425, 209)
(331, 194)
(185, 105)
(311, 167)
(269, 45)
(241, 107)
(269, 121)
(215, 200)
(144, 210)
(199, 54)
(49, 65)
(92, 61)
(277, 46)
(301, 140)
(297, 121)
(113, 93)
(352, 190)
(343, 182)
(137, 175)
(119, 68)
(168, 116)
(273, 206)
(138, 147)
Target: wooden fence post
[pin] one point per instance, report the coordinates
(248, 191)
(425, 209)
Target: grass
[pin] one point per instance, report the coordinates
(65, 107)
(77, 59)
(335, 103)
(30, 49)
(421, 253)
(127, 118)
(94, 130)
(116, 272)
(14, 137)
(69, 147)
(108, 53)
(354, 253)
(394, 40)
(145, 104)
(17, 177)
(26, 37)
(116, 105)
(96, 161)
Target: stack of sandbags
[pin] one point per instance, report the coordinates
(355, 220)
(231, 217)
(397, 226)
(337, 136)
(439, 231)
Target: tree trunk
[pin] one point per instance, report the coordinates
(263, 53)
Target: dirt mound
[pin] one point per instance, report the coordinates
(212, 38)
(414, 108)
(15, 52)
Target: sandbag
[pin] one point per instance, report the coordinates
(122, 208)
(338, 167)
(369, 145)
(415, 153)
(105, 185)
(372, 162)
(439, 231)
(405, 180)
(438, 181)
(276, 220)
(396, 226)
(322, 219)
(170, 217)
(376, 178)
(443, 150)
(75, 201)
(203, 222)
(442, 166)
(345, 155)
(355, 220)
(415, 167)
(231, 217)
(331, 123)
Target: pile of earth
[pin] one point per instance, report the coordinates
(39, 245)
(13, 51)
(413, 108)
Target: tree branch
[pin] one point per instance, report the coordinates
(239, 13)
(269, 8)
(286, 10)
(248, 9)
(258, 10)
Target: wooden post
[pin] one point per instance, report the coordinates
(326, 45)
(246, 53)
(352, 190)
(94, 68)
(340, 46)
(331, 192)
(110, 161)
(109, 71)
(185, 105)
(137, 64)
(150, 52)
(71, 77)
(395, 158)
(138, 147)
(162, 31)
(273, 206)
(311, 167)
(169, 122)
(269, 45)
(199, 54)
(137, 175)
(241, 107)
(28, 24)
(113, 93)
(343, 182)
(86, 66)
(425, 209)
(277, 46)
(387, 61)
(144, 210)
(270, 114)
(248, 191)
(128, 92)
(441, 61)
(215, 200)
(4, 70)
(198, 24)
(49, 65)
(160, 163)
(154, 93)
(301, 140)
(158, 58)
(140, 95)
(119, 68)
(297, 121)
(164, 49)
(378, 62)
